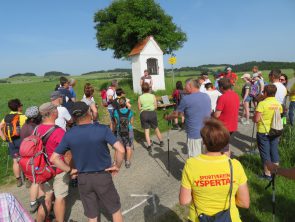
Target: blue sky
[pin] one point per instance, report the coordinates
(40, 36)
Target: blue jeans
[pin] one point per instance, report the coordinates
(268, 148)
(291, 112)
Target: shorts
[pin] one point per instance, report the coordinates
(248, 99)
(59, 185)
(13, 148)
(268, 148)
(127, 141)
(97, 188)
(148, 119)
(194, 147)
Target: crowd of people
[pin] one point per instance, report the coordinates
(76, 144)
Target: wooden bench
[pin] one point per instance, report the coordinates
(164, 101)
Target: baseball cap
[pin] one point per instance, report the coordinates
(255, 75)
(55, 95)
(228, 69)
(79, 109)
(32, 112)
(246, 75)
(46, 108)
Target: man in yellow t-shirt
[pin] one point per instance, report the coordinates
(268, 146)
(16, 108)
(292, 105)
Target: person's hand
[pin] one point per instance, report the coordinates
(113, 170)
(271, 166)
(73, 173)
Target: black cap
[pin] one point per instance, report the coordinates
(79, 109)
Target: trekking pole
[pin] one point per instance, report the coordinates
(272, 184)
(252, 138)
(168, 142)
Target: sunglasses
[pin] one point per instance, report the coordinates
(282, 80)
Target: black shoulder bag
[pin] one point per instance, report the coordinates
(224, 215)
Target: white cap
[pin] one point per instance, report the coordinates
(228, 69)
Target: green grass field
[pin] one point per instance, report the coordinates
(36, 90)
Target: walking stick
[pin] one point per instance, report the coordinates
(168, 142)
(252, 138)
(272, 184)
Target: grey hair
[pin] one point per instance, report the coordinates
(194, 82)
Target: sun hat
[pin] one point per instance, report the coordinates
(32, 112)
(55, 95)
(46, 108)
(255, 75)
(246, 75)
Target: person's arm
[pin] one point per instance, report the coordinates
(94, 111)
(139, 104)
(217, 114)
(119, 157)
(185, 196)
(288, 173)
(56, 160)
(151, 83)
(242, 196)
(132, 120)
(1, 133)
(141, 82)
(257, 117)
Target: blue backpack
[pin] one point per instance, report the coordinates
(254, 89)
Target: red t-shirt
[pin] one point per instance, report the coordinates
(228, 103)
(53, 141)
(232, 77)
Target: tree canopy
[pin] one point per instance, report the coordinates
(126, 22)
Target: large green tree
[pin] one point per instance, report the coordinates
(126, 22)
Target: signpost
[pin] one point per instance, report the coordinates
(172, 61)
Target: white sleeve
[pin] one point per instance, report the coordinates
(66, 114)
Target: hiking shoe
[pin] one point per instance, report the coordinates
(265, 177)
(19, 182)
(127, 164)
(28, 183)
(34, 207)
(175, 127)
(161, 143)
(149, 148)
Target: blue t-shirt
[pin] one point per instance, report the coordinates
(88, 144)
(67, 97)
(123, 111)
(73, 94)
(196, 107)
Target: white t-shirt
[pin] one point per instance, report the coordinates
(213, 97)
(202, 88)
(63, 117)
(281, 92)
(111, 92)
(207, 81)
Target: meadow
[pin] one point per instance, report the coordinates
(36, 90)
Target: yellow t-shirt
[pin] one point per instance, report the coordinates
(22, 118)
(267, 108)
(292, 93)
(209, 179)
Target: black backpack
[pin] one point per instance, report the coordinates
(115, 104)
(123, 129)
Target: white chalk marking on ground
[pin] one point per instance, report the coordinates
(142, 202)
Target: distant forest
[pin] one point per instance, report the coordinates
(211, 68)
(247, 66)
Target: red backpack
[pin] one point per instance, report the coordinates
(33, 158)
(103, 94)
